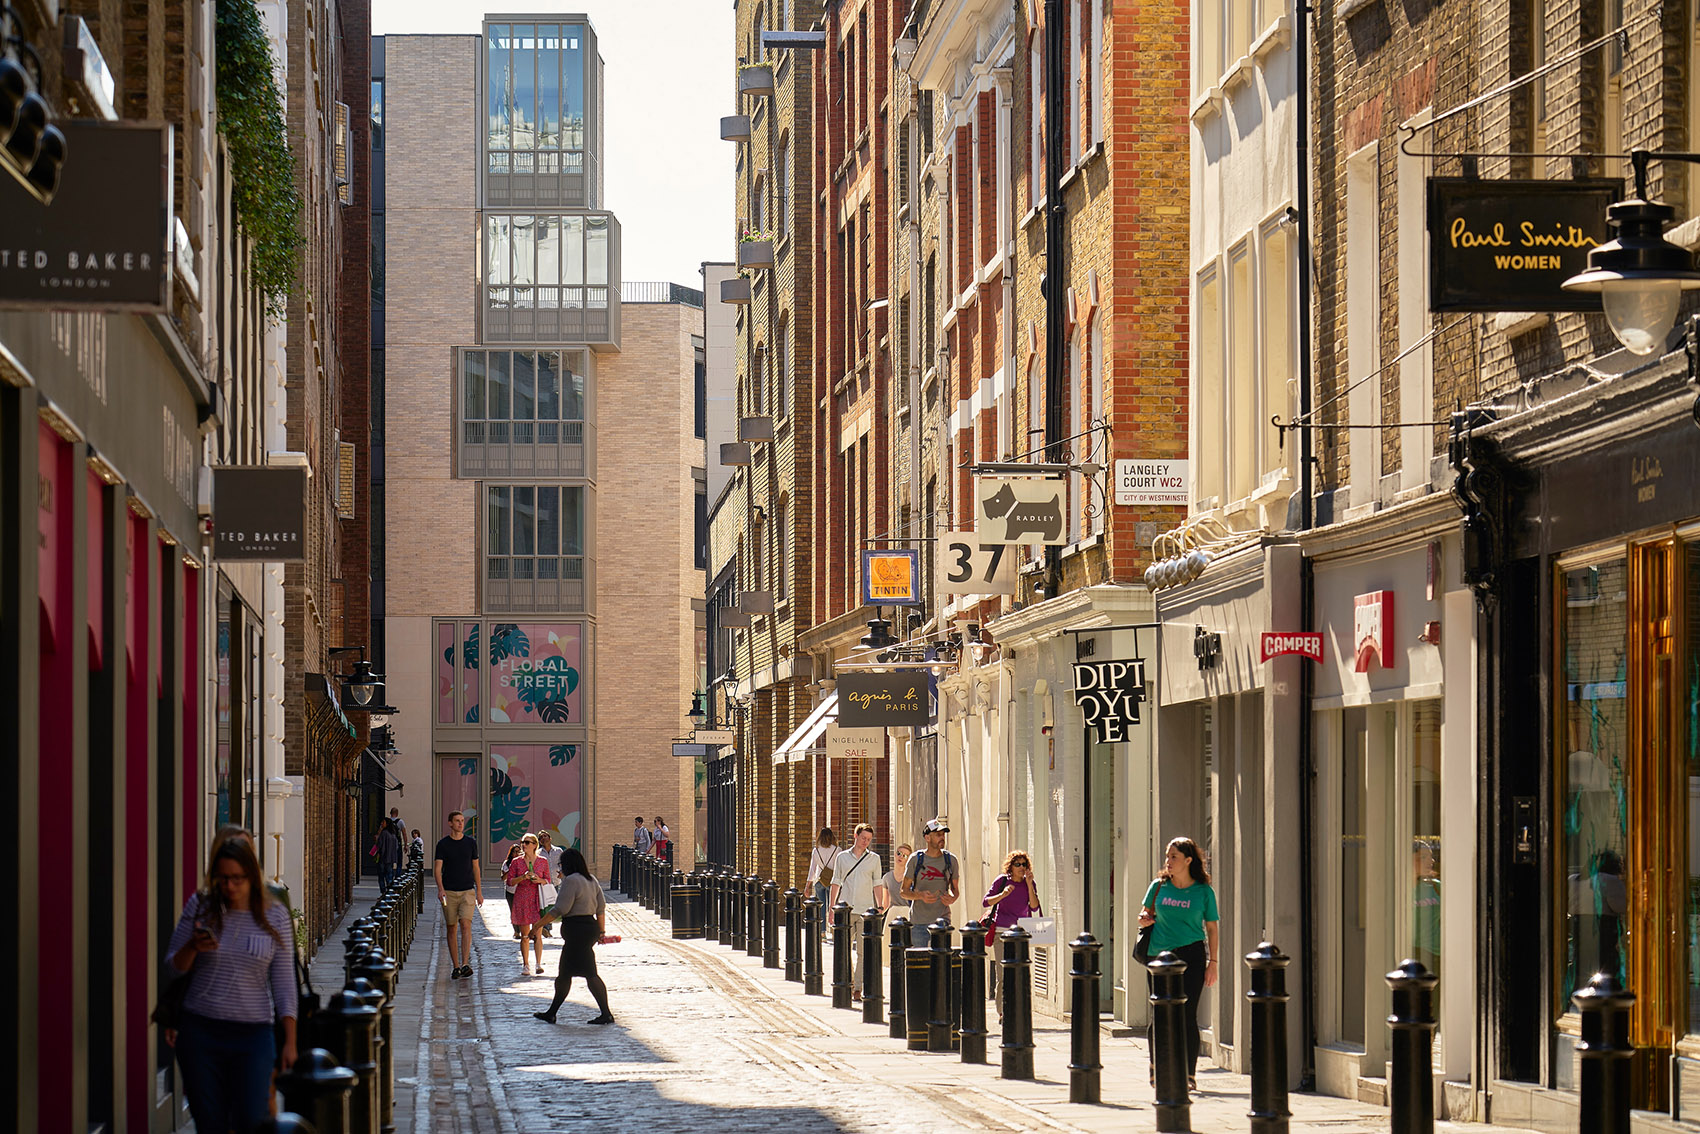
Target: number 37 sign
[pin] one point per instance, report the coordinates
(968, 567)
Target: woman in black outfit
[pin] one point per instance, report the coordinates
(582, 910)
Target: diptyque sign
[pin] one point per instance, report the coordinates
(104, 244)
(1109, 694)
(1510, 245)
(260, 513)
(875, 700)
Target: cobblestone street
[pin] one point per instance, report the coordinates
(707, 1040)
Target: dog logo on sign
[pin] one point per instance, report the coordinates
(1040, 518)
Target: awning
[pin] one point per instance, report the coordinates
(810, 737)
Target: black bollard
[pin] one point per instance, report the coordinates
(811, 947)
(1084, 1069)
(317, 1089)
(710, 882)
(752, 916)
(794, 935)
(898, 1018)
(972, 1012)
(1268, 997)
(350, 1029)
(381, 973)
(954, 1002)
(1410, 1087)
(1168, 1041)
(355, 943)
(735, 906)
(1604, 1052)
(917, 994)
(938, 1015)
(841, 965)
(1015, 986)
(770, 924)
(873, 993)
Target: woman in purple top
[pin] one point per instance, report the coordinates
(237, 946)
(1013, 896)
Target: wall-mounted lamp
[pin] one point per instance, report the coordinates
(697, 711)
(361, 687)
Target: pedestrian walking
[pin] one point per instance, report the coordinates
(1182, 907)
(400, 827)
(932, 881)
(855, 877)
(528, 872)
(547, 893)
(1012, 896)
(820, 864)
(388, 846)
(641, 838)
(660, 838)
(235, 947)
(509, 886)
(459, 890)
(891, 882)
(582, 910)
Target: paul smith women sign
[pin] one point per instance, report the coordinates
(1510, 245)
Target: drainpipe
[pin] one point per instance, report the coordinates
(1054, 281)
(1307, 518)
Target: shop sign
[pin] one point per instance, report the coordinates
(94, 249)
(689, 750)
(1372, 629)
(854, 743)
(969, 567)
(891, 578)
(260, 513)
(1510, 245)
(876, 700)
(714, 736)
(1020, 510)
(1109, 694)
(1151, 482)
(1277, 644)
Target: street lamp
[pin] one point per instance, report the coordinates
(697, 712)
(361, 686)
(1640, 276)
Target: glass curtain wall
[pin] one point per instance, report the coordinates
(547, 261)
(535, 98)
(522, 397)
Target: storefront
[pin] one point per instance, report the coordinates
(1228, 760)
(1393, 748)
(1608, 595)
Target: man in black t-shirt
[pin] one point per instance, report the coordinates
(460, 891)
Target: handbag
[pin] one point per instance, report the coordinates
(307, 1016)
(1142, 943)
(824, 878)
(168, 1013)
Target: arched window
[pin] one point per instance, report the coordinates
(782, 552)
(782, 393)
(782, 187)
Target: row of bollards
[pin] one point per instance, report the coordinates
(344, 1080)
(933, 998)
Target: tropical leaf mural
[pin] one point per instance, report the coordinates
(508, 813)
(507, 640)
(469, 765)
(560, 754)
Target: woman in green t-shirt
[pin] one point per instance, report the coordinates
(1182, 906)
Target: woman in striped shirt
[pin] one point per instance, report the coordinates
(237, 947)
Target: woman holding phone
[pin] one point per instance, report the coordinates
(236, 946)
(1182, 907)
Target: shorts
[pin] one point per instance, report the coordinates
(460, 905)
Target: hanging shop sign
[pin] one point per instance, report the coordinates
(714, 736)
(1020, 510)
(94, 249)
(1305, 645)
(891, 578)
(876, 700)
(854, 743)
(689, 749)
(1372, 630)
(969, 567)
(260, 513)
(1510, 245)
(1109, 694)
(1146, 483)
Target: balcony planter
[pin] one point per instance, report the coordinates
(755, 429)
(755, 254)
(756, 80)
(735, 290)
(735, 453)
(735, 128)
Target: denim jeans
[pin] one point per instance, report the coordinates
(227, 1071)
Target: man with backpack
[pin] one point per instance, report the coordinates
(931, 882)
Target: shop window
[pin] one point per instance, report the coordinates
(1354, 872)
(1593, 820)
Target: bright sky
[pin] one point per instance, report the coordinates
(669, 80)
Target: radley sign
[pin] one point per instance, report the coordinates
(1109, 694)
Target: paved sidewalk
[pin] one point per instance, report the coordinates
(706, 1040)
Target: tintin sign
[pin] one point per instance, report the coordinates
(1277, 644)
(1109, 694)
(1510, 245)
(891, 578)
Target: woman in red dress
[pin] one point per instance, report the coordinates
(527, 873)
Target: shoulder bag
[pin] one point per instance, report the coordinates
(1142, 943)
(824, 878)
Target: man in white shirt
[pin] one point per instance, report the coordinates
(640, 837)
(856, 874)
